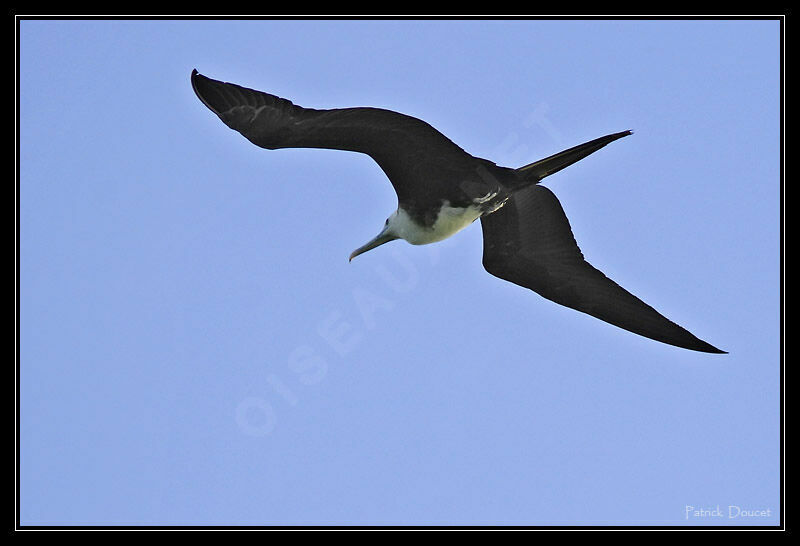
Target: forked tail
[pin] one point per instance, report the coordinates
(534, 172)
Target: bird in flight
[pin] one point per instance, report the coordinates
(441, 189)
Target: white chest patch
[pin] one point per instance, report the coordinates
(450, 220)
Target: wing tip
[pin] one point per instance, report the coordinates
(204, 89)
(195, 78)
(703, 347)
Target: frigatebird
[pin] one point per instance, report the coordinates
(441, 189)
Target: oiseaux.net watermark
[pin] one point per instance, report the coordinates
(727, 512)
(342, 332)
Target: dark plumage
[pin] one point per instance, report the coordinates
(441, 188)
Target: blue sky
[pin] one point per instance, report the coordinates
(196, 349)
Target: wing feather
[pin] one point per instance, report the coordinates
(415, 156)
(529, 242)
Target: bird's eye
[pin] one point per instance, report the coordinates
(386, 223)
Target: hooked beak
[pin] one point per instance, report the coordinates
(383, 237)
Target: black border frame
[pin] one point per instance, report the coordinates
(17, 527)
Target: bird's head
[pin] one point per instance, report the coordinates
(388, 233)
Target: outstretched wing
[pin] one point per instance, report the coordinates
(415, 156)
(530, 243)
